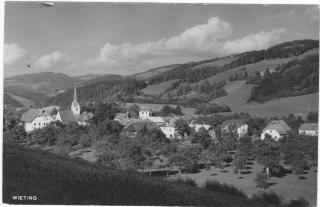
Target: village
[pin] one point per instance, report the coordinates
(188, 132)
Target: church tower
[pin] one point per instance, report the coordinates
(75, 107)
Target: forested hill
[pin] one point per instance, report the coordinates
(196, 71)
(181, 80)
(297, 77)
(118, 89)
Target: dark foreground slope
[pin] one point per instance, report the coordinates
(59, 180)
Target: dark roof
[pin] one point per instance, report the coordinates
(121, 115)
(30, 115)
(309, 126)
(236, 122)
(137, 125)
(144, 108)
(278, 125)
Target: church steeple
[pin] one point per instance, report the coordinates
(75, 94)
(75, 107)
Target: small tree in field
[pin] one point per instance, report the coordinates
(262, 181)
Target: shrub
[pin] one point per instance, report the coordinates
(300, 202)
(262, 181)
(187, 181)
(268, 197)
(225, 188)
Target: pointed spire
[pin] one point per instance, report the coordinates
(75, 94)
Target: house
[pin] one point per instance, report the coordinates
(157, 120)
(122, 118)
(134, 126)
(144, 112)
(310, 129)
(197, 126)
(276, 129)
(36, 119)
(240, 126)
(169, 131)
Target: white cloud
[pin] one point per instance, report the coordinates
(201, 41)
(50, 60)
(256, 41)
(13, 53)
(198, 39)
(312, 13)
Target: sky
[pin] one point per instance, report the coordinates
(126, 38)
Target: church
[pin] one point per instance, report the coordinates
(74, 115)
(39, 118)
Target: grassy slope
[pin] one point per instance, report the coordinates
(25, 102)
(156, 89)
(59, 180)
(239, 93)
(154, 71)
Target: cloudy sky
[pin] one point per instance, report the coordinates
(118, 38)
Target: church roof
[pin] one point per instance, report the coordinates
(68, 116)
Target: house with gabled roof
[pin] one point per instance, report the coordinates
(240, 126)
(36, 119)
(277, 129)
(310, 129)
(144, 112)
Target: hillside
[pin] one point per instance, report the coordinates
(10, 101)
(153, 72)
(206, 80)
(44, 83)
(60, 180)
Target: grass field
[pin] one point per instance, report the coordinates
(157, 89)
(277, 107)
(153, 72)
(60, 180)
(289, 187)
(25, 102)
(219, 62)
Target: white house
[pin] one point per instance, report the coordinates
(276, 129)
(197, 126)
(310, 129)
(169, 131)
(240, 126)
(36, 119)
(144, 112)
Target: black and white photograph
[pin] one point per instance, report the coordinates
(160, 103)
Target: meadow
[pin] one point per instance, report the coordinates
(59, 180)
(288, 186)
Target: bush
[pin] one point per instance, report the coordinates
(268, 197)
(187, 181)
(262, 181)
(225, 188)
(300, 202)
